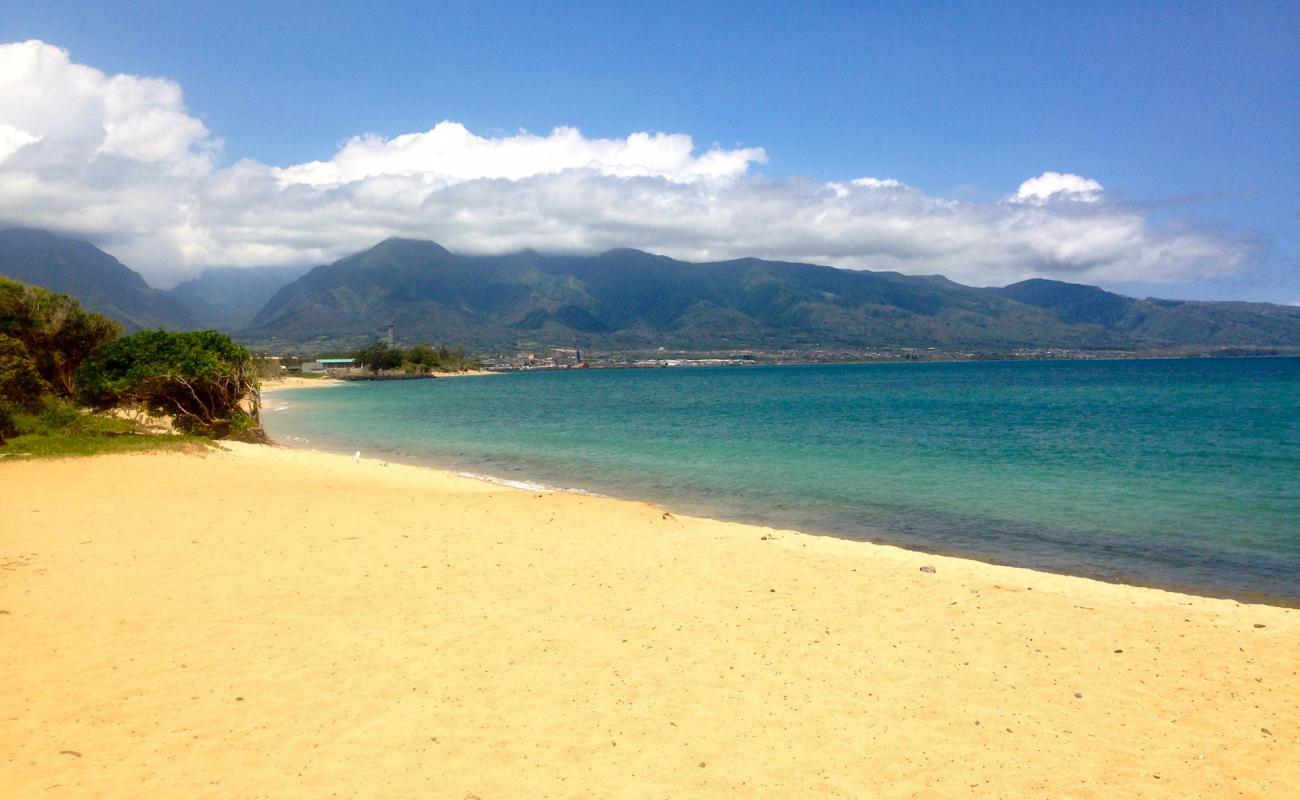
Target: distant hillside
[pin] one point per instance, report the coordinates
(227, 298)
(630, 300)
(627, 299)
(1071, 302)
(100, 282)
(1166, 322)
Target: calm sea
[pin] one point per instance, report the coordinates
(1175, 473)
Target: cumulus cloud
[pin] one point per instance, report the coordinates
(1057, 186)
(119, 159)
(11, 139)
(450, 154)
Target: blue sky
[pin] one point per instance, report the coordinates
(1187, 114)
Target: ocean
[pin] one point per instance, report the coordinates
(1182, 474)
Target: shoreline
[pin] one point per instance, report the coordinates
(294, 382)
(527, 484)
(494, 482)
(1005, 359)
(272, 385)
(280, 621)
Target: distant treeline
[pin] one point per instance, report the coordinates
(379, 357)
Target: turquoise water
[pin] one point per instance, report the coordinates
(1177, 473)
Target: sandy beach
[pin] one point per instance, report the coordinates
(273, 385)
(265, 622)
(296, 382)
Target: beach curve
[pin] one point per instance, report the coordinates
(258, 620)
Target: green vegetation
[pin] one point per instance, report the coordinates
(378, 357)
(625, 300)
(202, 379)
(59, 429)
(21, 385)
(52, 330)
(99, 282)
(422, 358)
(52, 354)
(44, 338)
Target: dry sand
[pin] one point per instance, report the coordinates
(271, 385)
(265, 622)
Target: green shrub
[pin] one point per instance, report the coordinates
(202, 379)
(21, 384)
(56, 334)
(59, 415)
(54, 433)
(422, 358)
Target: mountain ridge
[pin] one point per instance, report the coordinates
(100, 282)
(628, 300)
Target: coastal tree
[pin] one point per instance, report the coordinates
(21, 386)
(202, 379)
(426, 358)
(55, 332)
(379, 357)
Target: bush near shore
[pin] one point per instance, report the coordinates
(61, 429)
(204, 381)
(56, 358)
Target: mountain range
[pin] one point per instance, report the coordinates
(227, 298)
(99, 281)
(631, 300)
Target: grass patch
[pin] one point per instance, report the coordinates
(62, 430)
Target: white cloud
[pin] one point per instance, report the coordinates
(450, 154)
(121, 160)
(877, 183)
(1059, 186)
(11, 139)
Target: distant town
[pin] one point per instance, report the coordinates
(354, 364)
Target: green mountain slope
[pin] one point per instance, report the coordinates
(630, 300)
(627, 299)
(1164, 322)
(100, 282)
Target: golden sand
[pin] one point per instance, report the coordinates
(296, 382)
(272, 385)
(261, 622)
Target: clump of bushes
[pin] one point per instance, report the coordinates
(422, 358)
(21, 386)
(204, 381)
(53, 354)
(44, 338)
